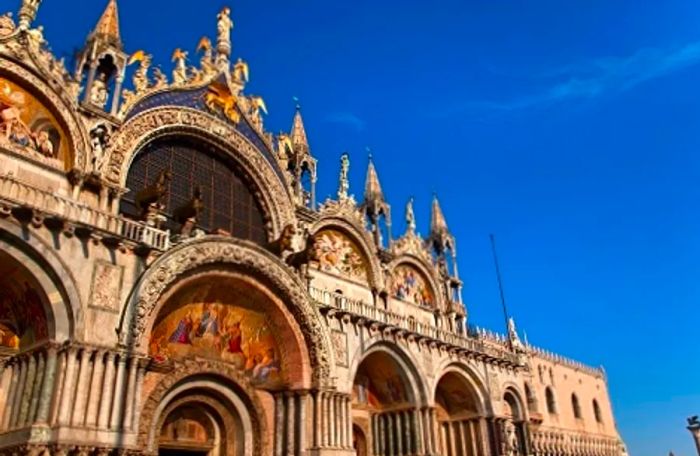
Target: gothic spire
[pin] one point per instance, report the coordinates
(410, 217)
(373, 190)
(298, 131)
(438, 224)
(107, 27)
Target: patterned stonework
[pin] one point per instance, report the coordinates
(106, 286)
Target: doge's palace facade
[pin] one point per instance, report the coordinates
(170, 285)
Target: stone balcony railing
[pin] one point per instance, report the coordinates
(49, 204)
(330, 301)
(555, 441)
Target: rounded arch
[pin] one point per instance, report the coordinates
(551, 400)
(514, 407)
(181, 121)
(146, 298)
(219, 387)
(60, 106)
(470, 379)
(576, 407)
(62, 305)
(424, 269)
(596, 411)
(417, 388)
(361, 238)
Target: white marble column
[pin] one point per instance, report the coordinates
(474, 434)
(140, 374)
(118, 402)
(398, 416)
(81, 396)
(279, 424)
(291, 422)
(95, 389)
(48, 386)
(68, 390)
(107, 391)
(17, 400)
(27, 392)
(332, 420)
(36, 389)
(130, 394)
(348, 407)
(325, 433)
(374, 433)
(318, 421)
(11, 390)
(303, 405)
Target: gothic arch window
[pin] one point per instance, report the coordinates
(229, 201)
(551, 402)
(596, 412)
(531, 399)
(576, 406)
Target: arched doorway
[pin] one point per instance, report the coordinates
(513, 426)
(359, 441)
(459, 417)
(385, 401)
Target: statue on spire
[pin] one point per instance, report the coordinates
(410, 217)
(223, 42)
(344, 182)
(27, 13)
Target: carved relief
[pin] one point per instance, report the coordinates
(340, 344)
(106, 285)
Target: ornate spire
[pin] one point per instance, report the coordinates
(373, 190)
(344, 180)
(438, 224)
(298, 131)
(107, 27)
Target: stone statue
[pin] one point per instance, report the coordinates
(99, 137)
(206, 63)
(224, 27)
(7, 25)
(410, 217)
(180, 70)
(512, 445)
(160, 79)
(99, 93)
(513, 334)
(140, 78)
(36, 38)
(241, 72)
(27, 13)
(344, 184)
(257, 105)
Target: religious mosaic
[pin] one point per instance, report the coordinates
(337, 254)
(378, 384)
(407, 284)
(24, 121)
(220, 331)
(22, 317)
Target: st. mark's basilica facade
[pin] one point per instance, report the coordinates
(169, 284)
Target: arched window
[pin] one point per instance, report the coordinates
(228, 198)
(596, 412)
(576, 407)
(531, 399)
(551, 403)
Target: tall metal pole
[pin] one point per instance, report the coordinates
(500, 283)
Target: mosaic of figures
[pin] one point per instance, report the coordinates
(22, 317)
(378, 384)
(25, 122)
(339, 255)
(222, 331)
(407, 284)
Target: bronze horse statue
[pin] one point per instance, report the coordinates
(154, 193)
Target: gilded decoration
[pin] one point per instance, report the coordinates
(338, 254)
(22, 316)
(409, 285)
(26, 122)
(228, 252)
(378, 384)
(202, 324)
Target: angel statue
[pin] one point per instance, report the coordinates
(410, 217)
(257, 104)
(206, 63)
(241, 72)
(160, 79)
(344, 184)
(224, 27)
(140, 77)
(180, 71)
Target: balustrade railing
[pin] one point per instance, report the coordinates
(409, 324)
(51, 203)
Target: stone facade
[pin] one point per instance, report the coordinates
(168, 284)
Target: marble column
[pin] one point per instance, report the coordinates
(130, 394)
(68, 390)
(324, 420)
(348, 406)
(279, 424)
(81, 395)
(17, 400)
(14, 379)
(303, 404)
(140, 374)
(27, 392)
(374, 431)
(291, 423)
(48, 386)
(399, 432)
(317, 420)
(381, 436)
(95, 388)
(107, 391)
(332, 420)
(118, 402)
(435, 437)
(474, 437)
(36, 390)
(419, 435)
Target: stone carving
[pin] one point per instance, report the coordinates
(224, 26)
(180, 70)
(217, 250)
(99, 92)
(99, 138)
(7, 25)
(340, 344)
(206, 63)
(344, 180)
(106, 284)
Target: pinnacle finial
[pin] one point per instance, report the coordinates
(373, 189)
(438, 224)
(410, 217)
(108, 26)
(298, 133)
(344, 180)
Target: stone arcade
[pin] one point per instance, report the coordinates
(169, 284)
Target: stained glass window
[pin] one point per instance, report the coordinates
(229, 203)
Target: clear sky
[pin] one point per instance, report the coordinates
(569, 129)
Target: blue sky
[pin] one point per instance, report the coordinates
(568, 129)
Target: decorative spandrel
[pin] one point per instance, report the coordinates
(339, 255)
(27, 123)
(410, 285)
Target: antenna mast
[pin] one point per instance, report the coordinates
(500, 282)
